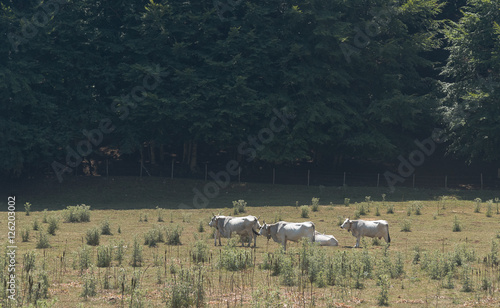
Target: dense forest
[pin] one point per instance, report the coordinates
(255, 81)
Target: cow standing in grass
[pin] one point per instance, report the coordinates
(243, 226)
(359, 228)
(283, 231)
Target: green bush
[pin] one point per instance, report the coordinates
(42, 240)
(92, 236)
(456, 225)
(89, 285)
(36, 225)
(201, 226)
(53, 225)
(234, 259)
(390, 209)
(239, 207)
(25, 234)
(304, 211)
(104, 256)
(315, 204)
(173, 236)
(106, 228)
(406, 226)
(199, 251)
(27, 208)
(477, 207)
(154, 236)
(78, 213)
(136, 259)
(120, 252)
(84, 259)
(159, 210)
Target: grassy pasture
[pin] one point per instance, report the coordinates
(164, 267)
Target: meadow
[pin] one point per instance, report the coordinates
(443, 253)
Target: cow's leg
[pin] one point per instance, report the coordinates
(215, 238)
(284, 244)
(357, 242)
(254, 240)
(220, 235)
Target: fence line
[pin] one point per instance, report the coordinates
(292, 175)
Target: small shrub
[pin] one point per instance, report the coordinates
(92, 236)
(489, 208)
(361, 209)
(357, 214)
(347, 201)
(416, 255)
(106, 228)
(383, 297)
(406, 226)
(377, 211)
(120, 252)
(173, 236)
(25, 234)
(104, 256)
(304, 211)
(136, 259)
(390, 209)
(199, 252)
(45, 216)
(186, 217)
(27, 208)
(53, 225)
(408, 210)
(376, 242)
(84, 259)
(119, 230)
(89, 285)
(153, 236)
(36, 225)
(448, 282)
(477, 207)
(78, 213)
(239, 207)
(315, 204)
(456, 225)
(399, 265)
(42, 240)
(234, 259)
(201, 226)
(417, 207)
(159, 210)
(466, 279)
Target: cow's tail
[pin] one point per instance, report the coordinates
(388, 236)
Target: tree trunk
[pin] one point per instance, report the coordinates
(193, 157)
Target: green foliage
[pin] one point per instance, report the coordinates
(315, 204)
(239, 207)
(406, 225)
(106, 228)
(173, 235)
(120, 252)
(201, 226)
(36, 225)
(383, 297)
(154, 236)
(390, 209)
(78, 213)
(457, 227)
(89, 288)
(234, 259)
(136, 258)
(53, 225)
(25, 234)
(489, 208)
(159, 210)
(199, 252)
(104, 256)
(466, 279)
(304, 211)
(92, 236)
(477, 208)
(27, 208)
(347, 201)
(84, 259)
(42, 240)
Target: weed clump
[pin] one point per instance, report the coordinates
(92, 236)
(78, 213)
(304, 211)
(42, 240)
(315, 204)
(456, 225)
(239, 207)
(106, 228)
(173, 236)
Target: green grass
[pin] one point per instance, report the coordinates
(167, 263)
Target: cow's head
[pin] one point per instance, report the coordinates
(256, 225)
(265, 230)
(213, 221)
(347, 224)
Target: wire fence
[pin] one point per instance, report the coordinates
(296, 175)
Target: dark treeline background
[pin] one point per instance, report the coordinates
(360, 80)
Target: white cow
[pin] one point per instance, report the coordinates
(359, 228)
(243, 226)
(325, 240)
(283, 231)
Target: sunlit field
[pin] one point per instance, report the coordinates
(428, 265)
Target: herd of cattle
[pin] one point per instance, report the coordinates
(283, 231)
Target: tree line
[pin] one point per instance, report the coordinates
(359, 78)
